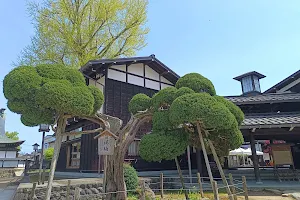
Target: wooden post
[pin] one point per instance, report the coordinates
(104, 174)
(216, 158)
(200, 185)
(232, 186)
(32, 194)
(77, 193)
(181, 179)
(188, 150)
(41, 159)
(215, 190)
(205, 154)
(162, 185)
(68, 190)
(245, 187)
(143, 196)
(43, 176)
(254, 159)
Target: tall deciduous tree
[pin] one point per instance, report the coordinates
(14, 136)
(72, 32)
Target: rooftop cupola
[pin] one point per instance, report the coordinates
(250, 82)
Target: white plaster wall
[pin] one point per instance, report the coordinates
(163, 79)
(152, 84)
(164, 86)
(115, 75)
(150, 73)
(2, 154)
(136, 69)
(11, 154)
(135, 80)
(119, 67)
(10, 163)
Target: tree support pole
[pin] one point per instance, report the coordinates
(61, 124)
(181, 179)
(205, 155)
(213, 150)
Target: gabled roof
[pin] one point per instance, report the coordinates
(265, 98)
(271, 121)
(259, 75)
(284, 82)
(98, 66)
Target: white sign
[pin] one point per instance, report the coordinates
(106, 145)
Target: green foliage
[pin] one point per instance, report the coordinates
(139, 102)
(200, 107)
(184, 90)
(131, 177)
(42, 92)
(235, 110)
(21, 83)
(49, 153)
(164, 97)
(163, 145)
(72, 32)
(160, 120)
(196, 82)
(14, 136)
(98, 97)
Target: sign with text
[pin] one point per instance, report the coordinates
(106, 145)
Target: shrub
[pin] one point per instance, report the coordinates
(49, 153)
(131, 177)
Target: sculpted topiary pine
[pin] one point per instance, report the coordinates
(50, 94)
(192, 114)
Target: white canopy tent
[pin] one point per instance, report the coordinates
(243, 152)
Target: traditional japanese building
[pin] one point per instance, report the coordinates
(272, 115)
(8, 147)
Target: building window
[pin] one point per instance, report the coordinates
(247, 84)
(73, 158)
(256, 83)
(46, 145)
(133, 149)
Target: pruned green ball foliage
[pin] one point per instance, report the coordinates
(130, 176)
(160, 120)
(196, 82)
(203, 108)
(164, 97)
(21, 83)
(98, 97)
(139, 102)
(184, 90)
(163, 145)
(42, 92)
(235, 110)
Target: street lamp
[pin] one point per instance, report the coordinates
(43, 128)
(35, 148)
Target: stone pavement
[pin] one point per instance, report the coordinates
(8, 188)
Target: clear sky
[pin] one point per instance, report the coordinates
(219, 39)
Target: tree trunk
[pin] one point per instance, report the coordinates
(216, 158)
(205, 155)
(115, 173)
(181, 179)
(115, 177)
(61, 125)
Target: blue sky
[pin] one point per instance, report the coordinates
(219, 39)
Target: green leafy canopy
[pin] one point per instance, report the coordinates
(179, 108)
(40, 93)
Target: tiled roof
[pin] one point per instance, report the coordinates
(265, 98)
(271, 121)
(6, 140)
